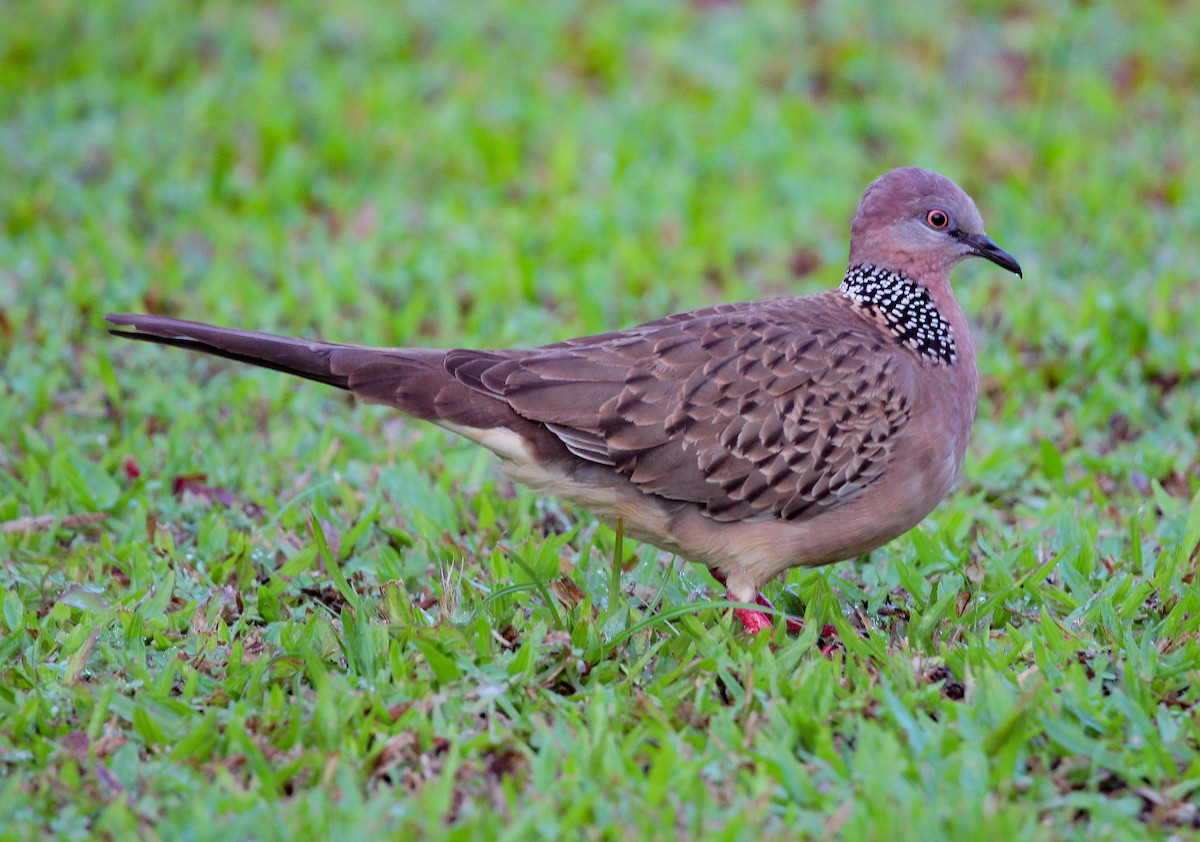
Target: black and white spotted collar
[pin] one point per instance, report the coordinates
(905, 307)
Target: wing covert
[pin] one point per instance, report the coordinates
(749, 412)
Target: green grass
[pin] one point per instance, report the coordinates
(353, 627)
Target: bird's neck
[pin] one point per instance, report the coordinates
(907, 310)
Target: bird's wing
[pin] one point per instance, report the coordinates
(763, 411)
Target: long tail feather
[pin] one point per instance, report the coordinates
(300, 357)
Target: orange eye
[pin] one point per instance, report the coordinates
(937, 218)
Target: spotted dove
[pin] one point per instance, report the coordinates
(750, 437)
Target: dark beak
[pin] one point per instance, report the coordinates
(982, 246)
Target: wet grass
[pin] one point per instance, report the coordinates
(238, 606)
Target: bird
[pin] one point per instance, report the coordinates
(747, 437)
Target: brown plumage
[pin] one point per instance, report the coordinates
(748, 437)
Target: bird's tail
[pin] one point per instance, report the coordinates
(314, 360)
(414, 380)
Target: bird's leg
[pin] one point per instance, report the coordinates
(754, 621)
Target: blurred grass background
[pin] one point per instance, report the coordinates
(196, 663)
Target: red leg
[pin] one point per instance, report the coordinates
(755, 621)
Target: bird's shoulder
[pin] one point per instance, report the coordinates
(758, 341)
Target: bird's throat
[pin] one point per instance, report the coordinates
(904, 307)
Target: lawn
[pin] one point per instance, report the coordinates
(235, 605)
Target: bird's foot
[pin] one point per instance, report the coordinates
(756, 621)
(828, 640)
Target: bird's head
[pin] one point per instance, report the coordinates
(922, 224)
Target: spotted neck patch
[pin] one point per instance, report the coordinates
(905, 308)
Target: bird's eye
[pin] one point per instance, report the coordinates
(937, 218)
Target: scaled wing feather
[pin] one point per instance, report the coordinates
(777, 410)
